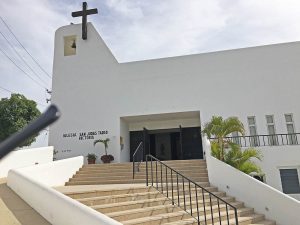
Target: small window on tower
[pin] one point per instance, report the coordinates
(70, 45)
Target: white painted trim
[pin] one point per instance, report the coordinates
(33, 185)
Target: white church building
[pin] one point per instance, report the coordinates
(164, 102)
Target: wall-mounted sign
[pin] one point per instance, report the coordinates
(85, 135)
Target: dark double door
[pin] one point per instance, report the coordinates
(169, 144)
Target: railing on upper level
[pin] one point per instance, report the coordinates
(265, 140)
(189, 195)
(137, 158)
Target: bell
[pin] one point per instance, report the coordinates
(73, 44)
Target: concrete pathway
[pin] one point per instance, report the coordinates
(14, 211)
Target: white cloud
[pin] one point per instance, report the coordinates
(175, 27)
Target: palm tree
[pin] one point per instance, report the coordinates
(219, 129)
(242, 159)
(105, 158)
(104, 141)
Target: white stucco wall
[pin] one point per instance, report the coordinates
(279, 157)
(262, 197)
(25, 157)
(94, 91)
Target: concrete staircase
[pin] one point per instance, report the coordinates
(111, 190)
(121, 173)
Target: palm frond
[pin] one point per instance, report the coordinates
(233, 124)
(216, 150)
(98, 141)
(249, 167)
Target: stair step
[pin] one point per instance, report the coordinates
(98, 193)
(216, 216)
(242, 221)
(158, 219)
(137, 180)
(150, 211)
(121, 206)
(120, 198)
(143, 212)
(265, 222)
(128, 181)
(137, 175)
(183, 222)
(138, 196)
(182, 170)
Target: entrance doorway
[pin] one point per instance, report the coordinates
(165, 144)
(169, 144)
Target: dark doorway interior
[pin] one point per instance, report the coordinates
(169, 144)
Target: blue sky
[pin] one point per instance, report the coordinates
(140, 29)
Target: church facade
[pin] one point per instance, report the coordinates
(165, 102)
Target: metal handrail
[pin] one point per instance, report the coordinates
(265, 140)
(137, 158)
(197, 187)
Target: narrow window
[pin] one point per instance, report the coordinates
(252, 130)
(290, 181)
(70, 45)
(292, 138)
(273, 139)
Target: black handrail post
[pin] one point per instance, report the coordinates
(172, 187)
(236, 217)
(151, 172)
(146, 170)
(220, 218)
(156, 175)
(211, 210)
(204, 206)
(133, 167)
(191, 206)
(183, 193)
(137, 157)
(197, 205)
(161, 179)
(227, 214)
(167, 182)
(177, 189)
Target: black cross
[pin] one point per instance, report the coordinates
(84, 13)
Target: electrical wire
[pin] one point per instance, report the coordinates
(28, 75)
(11, 92)
(25, 48)
(23, 60)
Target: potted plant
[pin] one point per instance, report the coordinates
(91, 158)
(105, 158)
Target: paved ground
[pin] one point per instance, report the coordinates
(14, 211)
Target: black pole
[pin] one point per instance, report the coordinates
(47, 118)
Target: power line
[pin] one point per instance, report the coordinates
(6, 89)
(25, 48)
(11, 92)
(22, 58)
(4, 53)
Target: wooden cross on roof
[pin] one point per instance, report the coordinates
(84, 13)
